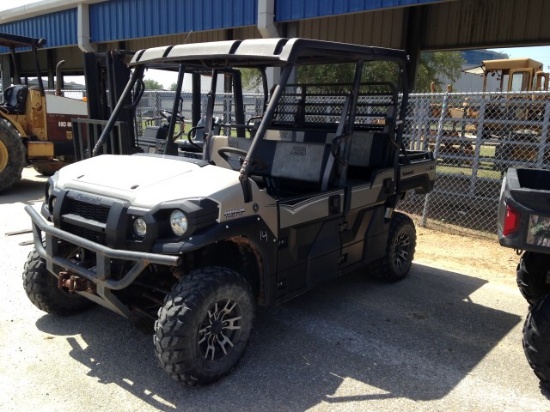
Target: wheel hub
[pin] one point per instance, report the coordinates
(216, 327)
(220, 329)
(402, 249)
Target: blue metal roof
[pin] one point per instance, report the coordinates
(302, 9)
(126, 19)
(59, 29)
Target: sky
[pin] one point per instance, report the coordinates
(541, 53)
(11, 4)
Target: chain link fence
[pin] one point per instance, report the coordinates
(475, 137)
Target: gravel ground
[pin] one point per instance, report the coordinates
(447, 338)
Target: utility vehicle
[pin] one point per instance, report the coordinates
(524, 224)
(278, 202)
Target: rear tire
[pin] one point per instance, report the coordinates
(12, 156)
(42, 290)
(203, 327)
(531, 276)
(397, 262)
(48, 168)
(536, 339)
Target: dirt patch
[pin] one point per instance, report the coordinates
(465, 254)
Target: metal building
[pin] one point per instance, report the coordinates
(74, 26)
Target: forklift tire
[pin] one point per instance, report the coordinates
(397, 262)
(48, 168)
(536, 339)
(12, 156)
(531, 276)
(42, 290)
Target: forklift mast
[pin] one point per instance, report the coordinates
(106, 75)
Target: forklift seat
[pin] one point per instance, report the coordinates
(15, 99)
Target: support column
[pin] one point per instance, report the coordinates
(413, 39)
(83, 28)
(267, 29)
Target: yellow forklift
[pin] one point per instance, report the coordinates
(35, 127)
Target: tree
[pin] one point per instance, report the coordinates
(438, 67)
(151, 84)
(173, 87)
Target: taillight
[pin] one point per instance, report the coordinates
(511, 221)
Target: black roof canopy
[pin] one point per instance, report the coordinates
(264, 52)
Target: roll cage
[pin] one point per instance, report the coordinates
(285, 54)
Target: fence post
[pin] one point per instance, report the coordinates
(418, 125)
(543, 135)
(477, 151)
(438, 137)
(158, 106)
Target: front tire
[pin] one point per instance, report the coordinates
(397, 261)
(42, 290)
(12, 156)
(531, 276)
(204, 325)
(536, 339)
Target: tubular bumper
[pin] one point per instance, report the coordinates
(101, 274)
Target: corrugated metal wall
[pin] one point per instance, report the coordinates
(249, 32)
(487, 23)
(59, 29)
(380, 28)
(126, 19)
(448, 24)
(286, 10)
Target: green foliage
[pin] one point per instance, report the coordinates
(151, 84)
(326, 73)
(433, 67)
(173, 87)
(251, 79)
(437, 65)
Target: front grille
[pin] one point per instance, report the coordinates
(86, 233)
(99, 213)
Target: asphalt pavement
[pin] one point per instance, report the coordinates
(437, 341)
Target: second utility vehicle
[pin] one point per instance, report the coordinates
(524, 224)
(300, 192)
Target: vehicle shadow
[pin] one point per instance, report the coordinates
(30, 189)
(417, 339)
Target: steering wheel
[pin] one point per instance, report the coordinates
(166, 114)
(225, 153)
(191, 134)
(252, 123)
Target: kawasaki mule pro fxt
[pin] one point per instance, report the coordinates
(291, 190)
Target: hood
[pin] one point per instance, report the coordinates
(145, 180)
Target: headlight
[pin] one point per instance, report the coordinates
(140, 227)
(49, 200)
(178, 222)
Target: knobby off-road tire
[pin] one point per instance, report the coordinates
(397, 262)
(41, 288)
(536, 339)
(12, 156)
(531, 276)
(204, 325)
